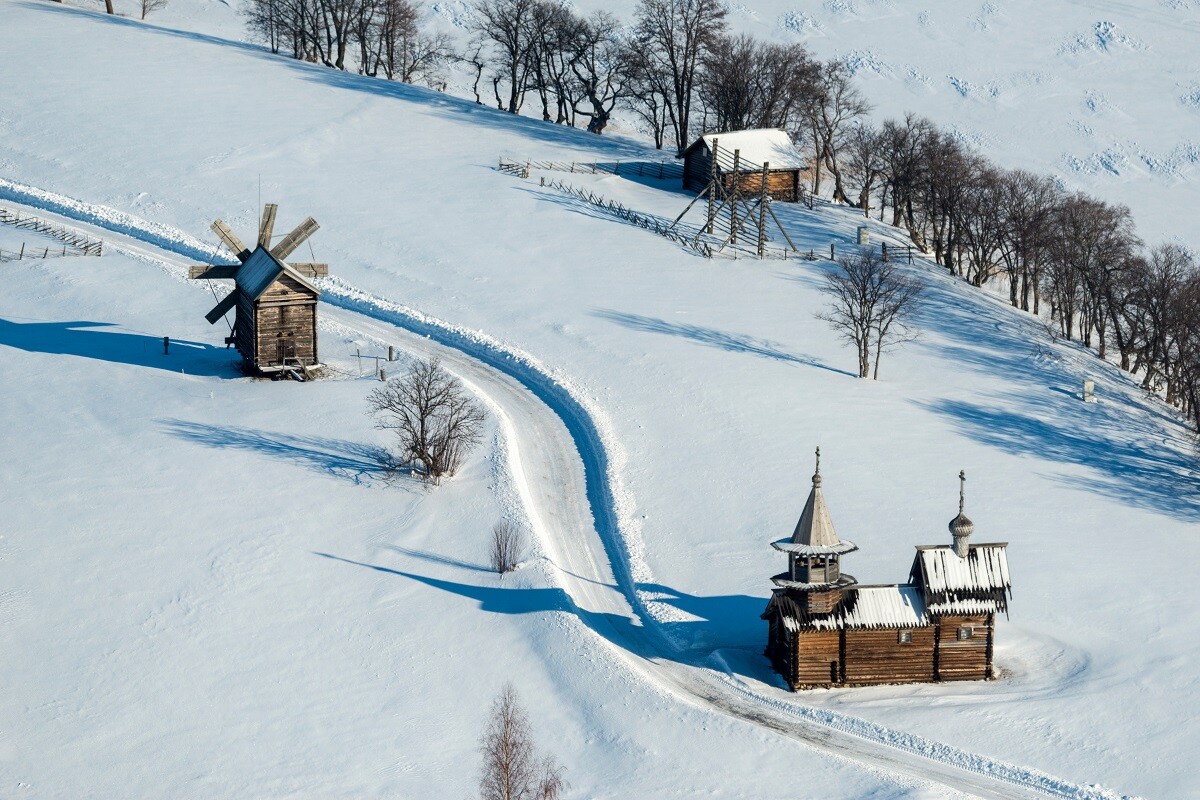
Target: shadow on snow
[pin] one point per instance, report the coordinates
(343, 459)
(726, 621)
(91, 340)
(711, 337)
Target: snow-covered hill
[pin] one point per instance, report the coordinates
(208, 587)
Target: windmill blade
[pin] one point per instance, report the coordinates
(311, 270)
(222, 308)
(267, 225)
(213, 271)
(231, 241)
(295, 239)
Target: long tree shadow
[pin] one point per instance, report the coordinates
(92, 340)
(711, 337)
(1134, 447)
(343, 459)
(728, 621)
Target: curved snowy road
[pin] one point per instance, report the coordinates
(559, 465)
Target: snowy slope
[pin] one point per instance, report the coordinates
(412, 210)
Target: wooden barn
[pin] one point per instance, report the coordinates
(274, 303)
(825, 629)
(737, 158)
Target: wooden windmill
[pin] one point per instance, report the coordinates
(275, 302)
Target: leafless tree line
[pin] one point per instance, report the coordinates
(377, 37)
(1049, 246)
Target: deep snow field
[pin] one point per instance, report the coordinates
(207, 588)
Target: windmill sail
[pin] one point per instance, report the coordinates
(222, 308)
(231, 241)
(294, 239)
(267, 226)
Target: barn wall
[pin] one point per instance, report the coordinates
(697, 166)
(965, 660)
(816, 651)
(782, 184)
(875, 655)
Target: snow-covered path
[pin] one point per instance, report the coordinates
(559, 461)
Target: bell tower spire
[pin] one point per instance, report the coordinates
(814, 551)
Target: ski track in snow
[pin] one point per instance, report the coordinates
(624, 615)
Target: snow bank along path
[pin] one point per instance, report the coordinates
(562, 459)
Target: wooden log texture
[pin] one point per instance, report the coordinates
(877, 656)
(815, 652)
(963, 659)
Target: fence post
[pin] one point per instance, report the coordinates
(712, 189)
(617, 169)
(166, 345)
(737, 197)
(391, 353)
(762, 211)
(885, 252)
(22, 255)
(832, 252)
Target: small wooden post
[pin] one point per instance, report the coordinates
(737, 197)
(358, 355)
(762, 212)
(885, 251)
(712, 188)
(46, 253)
(383, 375)
(391, 353)
(166, 345)
(22, 254)
(832, 252)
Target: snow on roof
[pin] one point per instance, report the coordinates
(261, 269)
(757, 146)
(985, 568)
(841, 548)
(964, 605)
(864, 607)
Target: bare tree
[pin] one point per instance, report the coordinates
(601, 65)
(507, 546)
(512, 769)
(151, 5)
(834, 104)
(674, 35)
(872, 306)
(508, 26)
(433, 417)
(865, 163)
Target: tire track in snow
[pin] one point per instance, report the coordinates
(522, 390)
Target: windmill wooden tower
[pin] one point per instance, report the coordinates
(274, 301)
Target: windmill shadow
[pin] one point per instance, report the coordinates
(92, 340)
(352, 461)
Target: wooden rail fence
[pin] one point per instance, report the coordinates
(74, 244)
(663, 170)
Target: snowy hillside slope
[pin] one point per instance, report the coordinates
(1104, 96)
(412, 210)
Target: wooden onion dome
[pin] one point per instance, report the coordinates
(961, 527)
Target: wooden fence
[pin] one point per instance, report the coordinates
(660, 170)
(73, 243)
(656, 225)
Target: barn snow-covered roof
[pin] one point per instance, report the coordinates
(757, 146)
(262, 269)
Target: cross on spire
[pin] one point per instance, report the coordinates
(962, 489)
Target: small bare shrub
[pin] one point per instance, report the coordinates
(507, 546)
